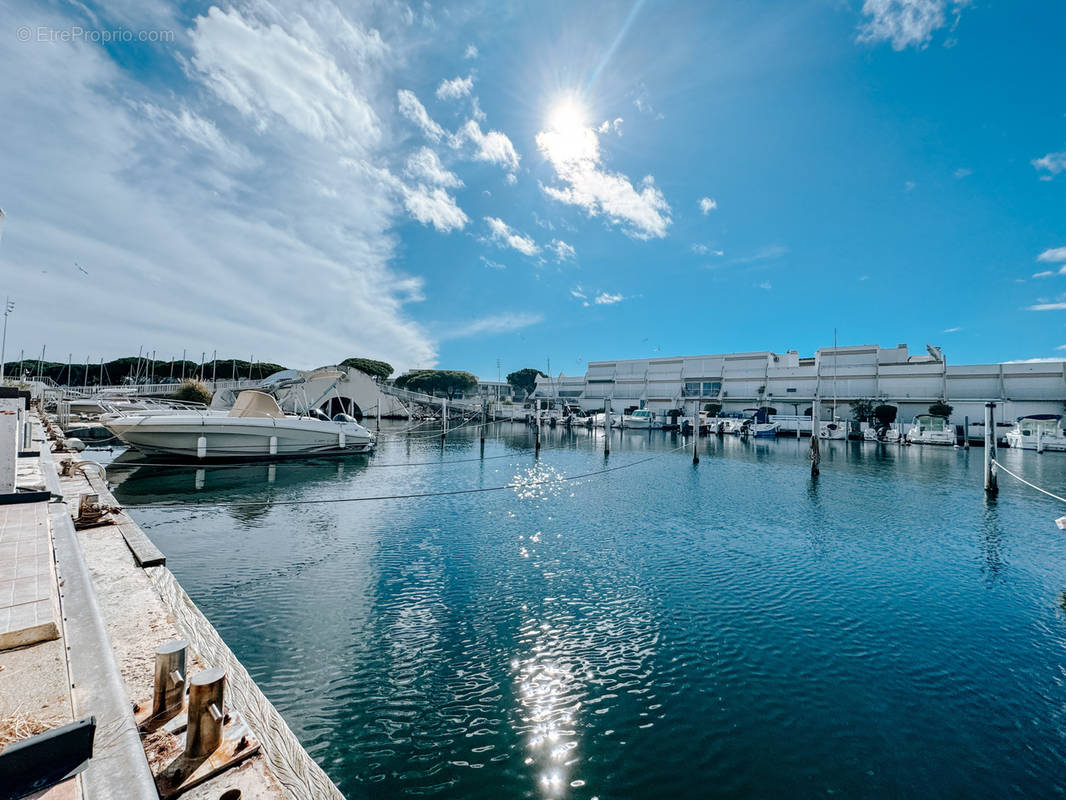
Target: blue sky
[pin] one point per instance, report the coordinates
(448, 184)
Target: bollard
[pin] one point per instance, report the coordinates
(206, 692)
(169, 677)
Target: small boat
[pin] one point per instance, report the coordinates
(833, 430)
(932, 429)
(254, 428)
(641, 419)
(1038, 432)
(890, 434)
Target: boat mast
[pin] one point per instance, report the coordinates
(835, 356)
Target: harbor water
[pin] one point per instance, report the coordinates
(732, 629)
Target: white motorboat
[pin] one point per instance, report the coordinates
(255, 427)
(641, 419)
(891, 434)
(1038, 432)
(932, 429)
(833, 430)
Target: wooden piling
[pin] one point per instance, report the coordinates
(696, 433)
(991, 481)
(606, 427)
(815, 453)
(966, 433)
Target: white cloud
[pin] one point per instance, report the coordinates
(578, 292)
(1053, 163)
(562, 251)
(496, 323)
(493, 147)
(163, 201)
(506, 236)
(266, 72)
(1034, 361)
(707, 205)
(764, 285)
(952, 330)
(425, 165)
(201, 132)
(434, 207)
(411, 108)
(607, 126)
(963, 172)
(1061, 347)
(470, 52)
(1045, 274)
(1053, 255)
(1048, 307)
(605, 299)
(488, 262)
(574, 152)
(906, 22)
(768, 253)
(455, 88)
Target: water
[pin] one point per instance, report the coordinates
(728, 630)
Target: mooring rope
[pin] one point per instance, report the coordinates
(412, 496)
(1027, 483)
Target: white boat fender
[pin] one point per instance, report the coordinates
(1061, 522)
(75, 444)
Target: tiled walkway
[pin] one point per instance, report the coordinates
(28, 594)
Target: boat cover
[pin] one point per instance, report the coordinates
(251, 403)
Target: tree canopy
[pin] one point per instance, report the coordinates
(448, 382)
(525, 379)
(130, 370)
(862, 410)
(940, 409)
(375, 369)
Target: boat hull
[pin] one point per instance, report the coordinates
(244, 438)
(1052, 443)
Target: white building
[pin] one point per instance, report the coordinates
(790, 384)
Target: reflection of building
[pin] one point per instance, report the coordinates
(790, 383)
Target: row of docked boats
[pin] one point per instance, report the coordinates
(1033, 432)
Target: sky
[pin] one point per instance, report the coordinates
(496, 185)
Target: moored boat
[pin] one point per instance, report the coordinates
(932, 429)
(254, 428)
(1038, 432)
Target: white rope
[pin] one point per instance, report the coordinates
(1023, 480)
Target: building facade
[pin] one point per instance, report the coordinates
(834, 375)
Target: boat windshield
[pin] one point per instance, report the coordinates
(1046, 426)
(928, 422)
(251, 403)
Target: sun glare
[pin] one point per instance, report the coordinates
(569, 136)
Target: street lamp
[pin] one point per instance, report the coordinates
(9, 306)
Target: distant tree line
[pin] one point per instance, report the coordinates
(447, 382)
(131, 370)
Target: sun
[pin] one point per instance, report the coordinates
(569, 136)
(567, 117)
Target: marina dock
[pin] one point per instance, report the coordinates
(86, 603)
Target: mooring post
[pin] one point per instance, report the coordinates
(991, 481)
(606, 427)
(537, 427)
(206, 693)
(380, 395)
(169, 677)
(444, 417)
(815, 453)
(695, 431)
(484, 421)
(966, 433)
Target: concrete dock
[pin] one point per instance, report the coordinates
(85, 602)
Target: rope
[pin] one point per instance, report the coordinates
(287, 463)
(1023, 480)
(413, 496)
